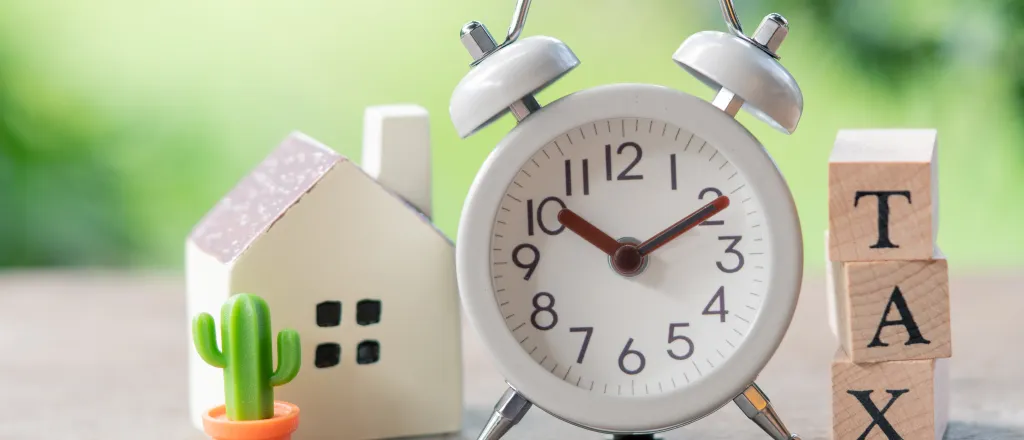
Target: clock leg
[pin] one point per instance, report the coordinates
(509, 410)
(754, 403)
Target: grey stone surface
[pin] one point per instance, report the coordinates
(102, 356)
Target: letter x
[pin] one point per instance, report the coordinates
(878, 417)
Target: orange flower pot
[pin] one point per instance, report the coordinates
(279, 427)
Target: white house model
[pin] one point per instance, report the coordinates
(349, 258)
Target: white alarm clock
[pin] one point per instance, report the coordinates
(629, 254)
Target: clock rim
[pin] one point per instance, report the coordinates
(581, 407)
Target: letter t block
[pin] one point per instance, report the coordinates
(883, 195)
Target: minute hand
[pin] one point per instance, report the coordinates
(687, 223)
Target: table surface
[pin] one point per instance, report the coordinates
(77, 345)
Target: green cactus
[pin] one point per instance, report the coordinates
(249, 378)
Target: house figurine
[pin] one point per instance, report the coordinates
(348, 257)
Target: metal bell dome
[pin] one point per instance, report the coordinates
(748, 68)
(504, 77)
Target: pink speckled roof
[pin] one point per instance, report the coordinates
(263, 196)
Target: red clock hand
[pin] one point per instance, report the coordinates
(687, 223)
(588, 232)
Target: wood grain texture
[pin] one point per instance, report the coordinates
(865, 166)
(875, 322)
(906, 400)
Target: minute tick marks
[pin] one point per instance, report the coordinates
(688, 142)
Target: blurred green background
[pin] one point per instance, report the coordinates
(124, 121)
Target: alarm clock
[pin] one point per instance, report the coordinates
(629, 254)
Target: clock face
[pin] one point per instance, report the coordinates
(692, 301)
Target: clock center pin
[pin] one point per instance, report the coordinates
(627, 259)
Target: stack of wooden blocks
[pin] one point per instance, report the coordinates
(888, 287)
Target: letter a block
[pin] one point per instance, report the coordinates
(892, 310)
(883, 195)
(899, 400)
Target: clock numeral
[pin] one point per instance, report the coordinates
(529, 266)
(626, 351)
(538, 309)
(672, 167)
(568, 177)
(539, 212)
(720, 299)
(624, 175)
(731, 249)
(672, 337)
(717, 194)
(586, 341)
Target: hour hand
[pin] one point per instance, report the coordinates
(588, 232)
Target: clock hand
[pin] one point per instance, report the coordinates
(588, 232)
(684, 225)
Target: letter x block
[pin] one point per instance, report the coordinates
(899, 400)
(892, 310)
(883, 195)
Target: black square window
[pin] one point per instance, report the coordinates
(328, 314)
(368, 312)
(327, 355)
(368, 352)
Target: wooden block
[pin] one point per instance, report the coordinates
(892, 310)
(899, 400)
(396, 151)
(883, 195)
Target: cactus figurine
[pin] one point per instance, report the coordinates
(249, 377)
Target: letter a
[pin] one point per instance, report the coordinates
(906, 320)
